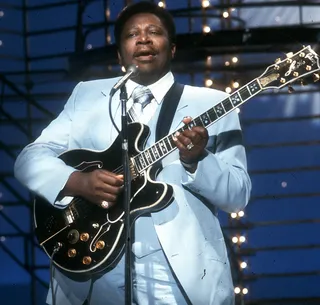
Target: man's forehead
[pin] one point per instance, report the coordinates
(137, 19)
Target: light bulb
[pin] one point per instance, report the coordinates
(225, 14)
(235, 85)
(206, 29)
(243, 265)
(209, 82)
(235, 239)
(242, 239)
(205, 3)
(228, 90)
(241, 213)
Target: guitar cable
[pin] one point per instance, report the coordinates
(56, 248)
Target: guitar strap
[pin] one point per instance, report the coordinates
(167, 111)
(169, 105)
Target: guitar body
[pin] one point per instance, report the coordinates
(92, 239)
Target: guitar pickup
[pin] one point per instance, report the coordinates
(69, 215)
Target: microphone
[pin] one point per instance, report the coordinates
(132, 71)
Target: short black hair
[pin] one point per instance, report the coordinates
(144, 7)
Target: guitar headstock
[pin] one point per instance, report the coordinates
(295, 67)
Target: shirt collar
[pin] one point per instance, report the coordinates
(159, 89)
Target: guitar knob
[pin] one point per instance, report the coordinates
(87, 260)
(302, 54)
(73, 236)
(100, 244)
(84, 236)
(295, 74)
(282, 80)
(72, 252)
(308, 68)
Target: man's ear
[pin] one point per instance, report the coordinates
(119, 58)
(173, 50)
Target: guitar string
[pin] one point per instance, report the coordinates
(242, 90)
(224, 103)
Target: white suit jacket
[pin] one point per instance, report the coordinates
(188, 229)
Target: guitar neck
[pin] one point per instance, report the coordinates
(166, 145)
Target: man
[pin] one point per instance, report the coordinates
(179, 253)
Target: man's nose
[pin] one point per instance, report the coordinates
(144, 38)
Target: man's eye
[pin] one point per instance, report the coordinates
(132, 34)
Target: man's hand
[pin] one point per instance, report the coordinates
(191, 144)
(100, 187)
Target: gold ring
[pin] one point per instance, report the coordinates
(104, 204)
(189, 146)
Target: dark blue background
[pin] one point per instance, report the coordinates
(281, 134)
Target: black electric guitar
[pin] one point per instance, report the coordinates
(90, 238)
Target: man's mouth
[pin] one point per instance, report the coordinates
(145, 55)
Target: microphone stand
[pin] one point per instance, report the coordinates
(126, 197)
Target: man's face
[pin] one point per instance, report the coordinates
(145, 42)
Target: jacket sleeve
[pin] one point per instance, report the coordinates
(221, 176)
(37, 166)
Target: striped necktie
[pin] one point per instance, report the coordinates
(141, 97)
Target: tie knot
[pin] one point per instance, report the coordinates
(142, 95)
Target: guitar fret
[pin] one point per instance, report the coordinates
(192, 124)
(235, 99)
(155, 152)
(254, 87)
(172, 143)
(244, 93)
(227, 105)
(145, 158)
(148, 156)
(137, 163)
(212, 115)
(219, 110)
(142, 162)
(205, 118)
(163, 147)
(221, 104)
(167, 143)
(198, 121)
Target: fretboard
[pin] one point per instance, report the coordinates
(166, 145)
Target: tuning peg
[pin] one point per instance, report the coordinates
(308, 68)
(290, 54)
(277, 60)
(290, 89)
(316, 77)
(302, 54)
